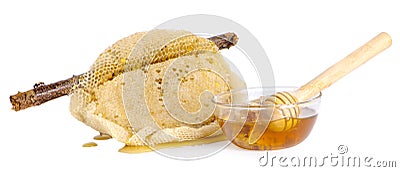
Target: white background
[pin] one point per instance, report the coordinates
(48, 41)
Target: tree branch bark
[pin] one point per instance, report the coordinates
(44, 93)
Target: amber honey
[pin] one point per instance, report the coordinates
(239, 133)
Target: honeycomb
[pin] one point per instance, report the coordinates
(127, 90)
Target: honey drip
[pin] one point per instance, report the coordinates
(140, 149)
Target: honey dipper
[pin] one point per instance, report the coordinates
(355, 59)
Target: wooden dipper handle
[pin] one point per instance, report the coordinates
(344, 66)
(319, 83)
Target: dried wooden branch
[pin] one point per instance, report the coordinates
(42, 93)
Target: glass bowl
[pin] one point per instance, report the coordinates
(250, 123)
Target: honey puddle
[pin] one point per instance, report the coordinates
(89, 144)
(102, 137)
(140, 149)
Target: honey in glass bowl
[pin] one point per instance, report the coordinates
(238, 117)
